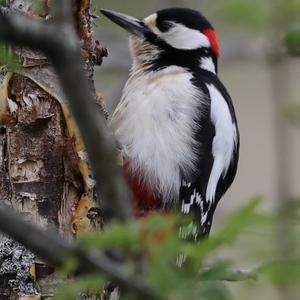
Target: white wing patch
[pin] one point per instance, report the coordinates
(224, 142)
(195, 198)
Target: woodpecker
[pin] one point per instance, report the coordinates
(175, 121)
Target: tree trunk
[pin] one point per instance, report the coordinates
(43, 169)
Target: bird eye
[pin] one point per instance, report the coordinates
(164, 26)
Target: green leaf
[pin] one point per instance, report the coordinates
(7, 57)
(215, 270)
(91, 284)
(235, 224)
(69, 266)
(116, 235)
(3, 2)
(214, 291)
(292, 42)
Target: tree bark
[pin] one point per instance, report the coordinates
(44, 172)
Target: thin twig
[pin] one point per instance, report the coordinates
(239, 275)
(63, 49)
(230, 274)
(53, 249)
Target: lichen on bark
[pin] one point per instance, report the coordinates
(15, 265)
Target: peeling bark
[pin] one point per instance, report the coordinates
(43, 167)
(36, 149)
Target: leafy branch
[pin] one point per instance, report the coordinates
(57, 252)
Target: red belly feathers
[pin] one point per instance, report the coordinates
(145, 199)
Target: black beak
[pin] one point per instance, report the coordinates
(133, 25)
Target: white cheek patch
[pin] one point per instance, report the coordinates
(207, 64)
(182, 37)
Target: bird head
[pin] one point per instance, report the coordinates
(174, 36)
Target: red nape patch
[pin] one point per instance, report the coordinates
(145, 199)
(213, 39)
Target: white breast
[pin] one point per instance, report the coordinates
(155, 122)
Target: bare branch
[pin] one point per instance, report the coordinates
(231, 274)
(63, 50)
(52, 248)
(239, 275)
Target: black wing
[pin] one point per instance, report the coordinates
(193, 189)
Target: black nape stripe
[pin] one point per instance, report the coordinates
(189, 59)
